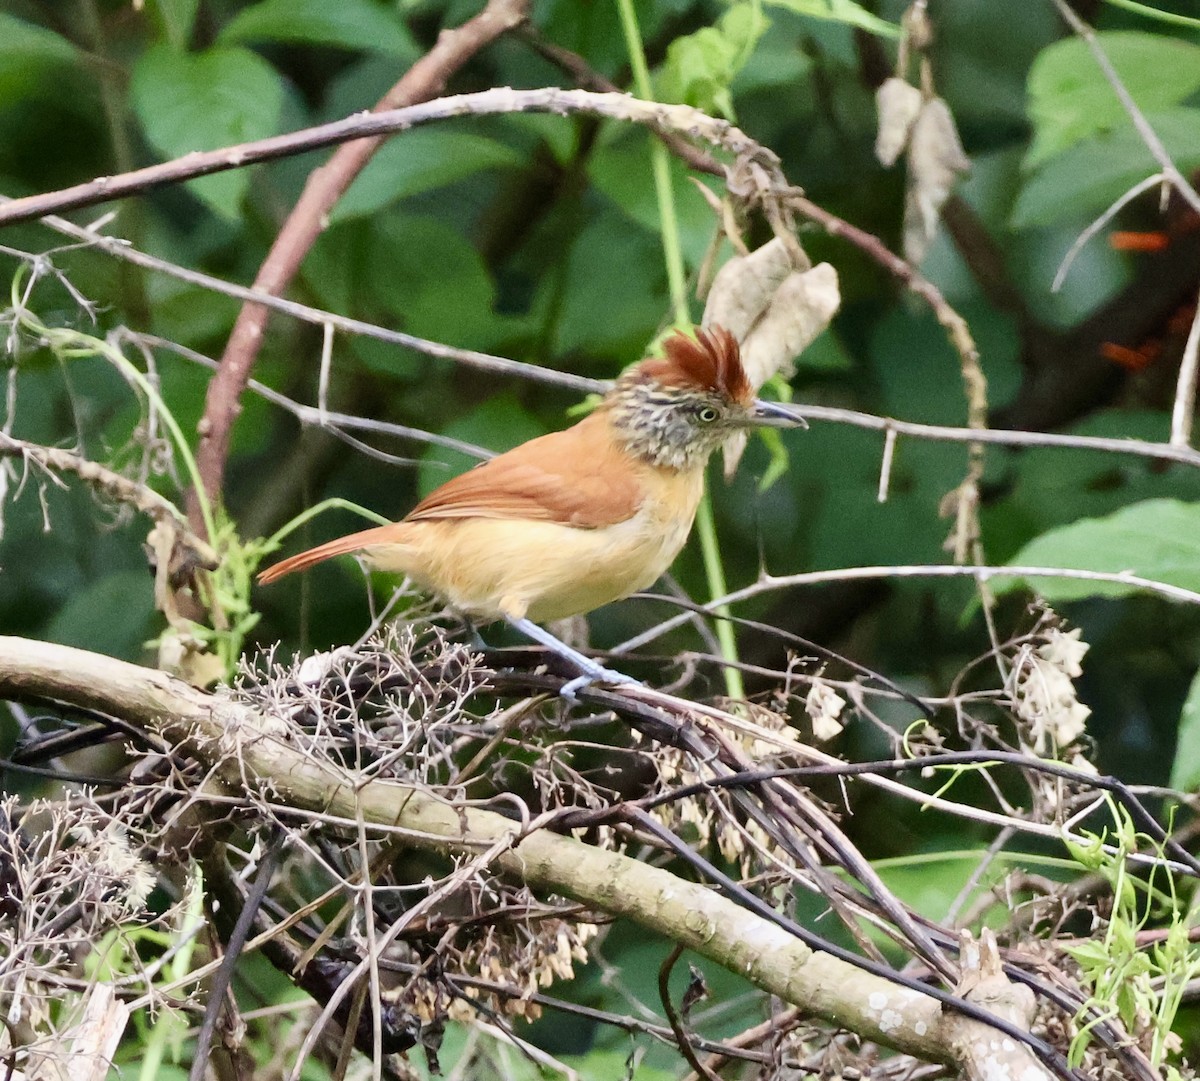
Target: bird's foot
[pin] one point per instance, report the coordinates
(591, 672)
(596, 673)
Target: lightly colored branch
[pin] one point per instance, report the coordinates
(954, 324)
(309, 217)
(122, 249)
(112, 483)
(770, 583)
(1093, 227)
(245, 747)
(939, 433)
(116, 486)
(682, 119)
(1183, 413)
(313, 416)
(1143, 126)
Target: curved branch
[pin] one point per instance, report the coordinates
(324, 187)
(681, 119)
(769, 583)
(250, 749)
(117, 486)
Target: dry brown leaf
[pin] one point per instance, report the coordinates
(935, 161)
(898, 104)
(774, 309)
(744, 286)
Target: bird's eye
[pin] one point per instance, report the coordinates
(707, 414)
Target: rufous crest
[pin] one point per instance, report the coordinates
(710, 362)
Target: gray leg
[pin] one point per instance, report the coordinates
(472, 632)
(592, 672)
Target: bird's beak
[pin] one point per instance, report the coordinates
(775, 415)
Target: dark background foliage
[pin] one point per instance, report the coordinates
(538, 238)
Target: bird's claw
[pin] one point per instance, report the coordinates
(596, 674)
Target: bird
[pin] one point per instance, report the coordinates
(577, 518)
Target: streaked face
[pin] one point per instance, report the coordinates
(672, 427)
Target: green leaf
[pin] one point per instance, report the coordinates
(349, 24)
(203, 101)
(499, 424)
(841, 11)
(1088, 176)
(111, 614)
(418, 161)
(431, 280)
(614, 292)
(1157, 539)
(1070, 100)
(28, 54)
(1093, 956)
(1055, 486)
(700, 67)
(1185, 769)
(177, 18)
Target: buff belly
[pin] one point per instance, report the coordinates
(482, 566)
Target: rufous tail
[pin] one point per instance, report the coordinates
(355, 542)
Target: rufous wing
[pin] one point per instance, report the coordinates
(578, 477)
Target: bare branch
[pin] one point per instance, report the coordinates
(1144, 128)
(248, 749)
(770, 583)
(122, 249)
(1183, 414)
(116, 486)
(324, 187)
(1003, 436)
(682, 119)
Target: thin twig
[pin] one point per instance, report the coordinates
(223, 979)
(771, 583)
(324, 187)
(1099, 223)
(1141, 448)
(682, 1038)
(311, 415)
(1144, 128)
(121, 249)
(1184, 411)
(116, 486)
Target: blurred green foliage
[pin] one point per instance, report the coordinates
(538, 238)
